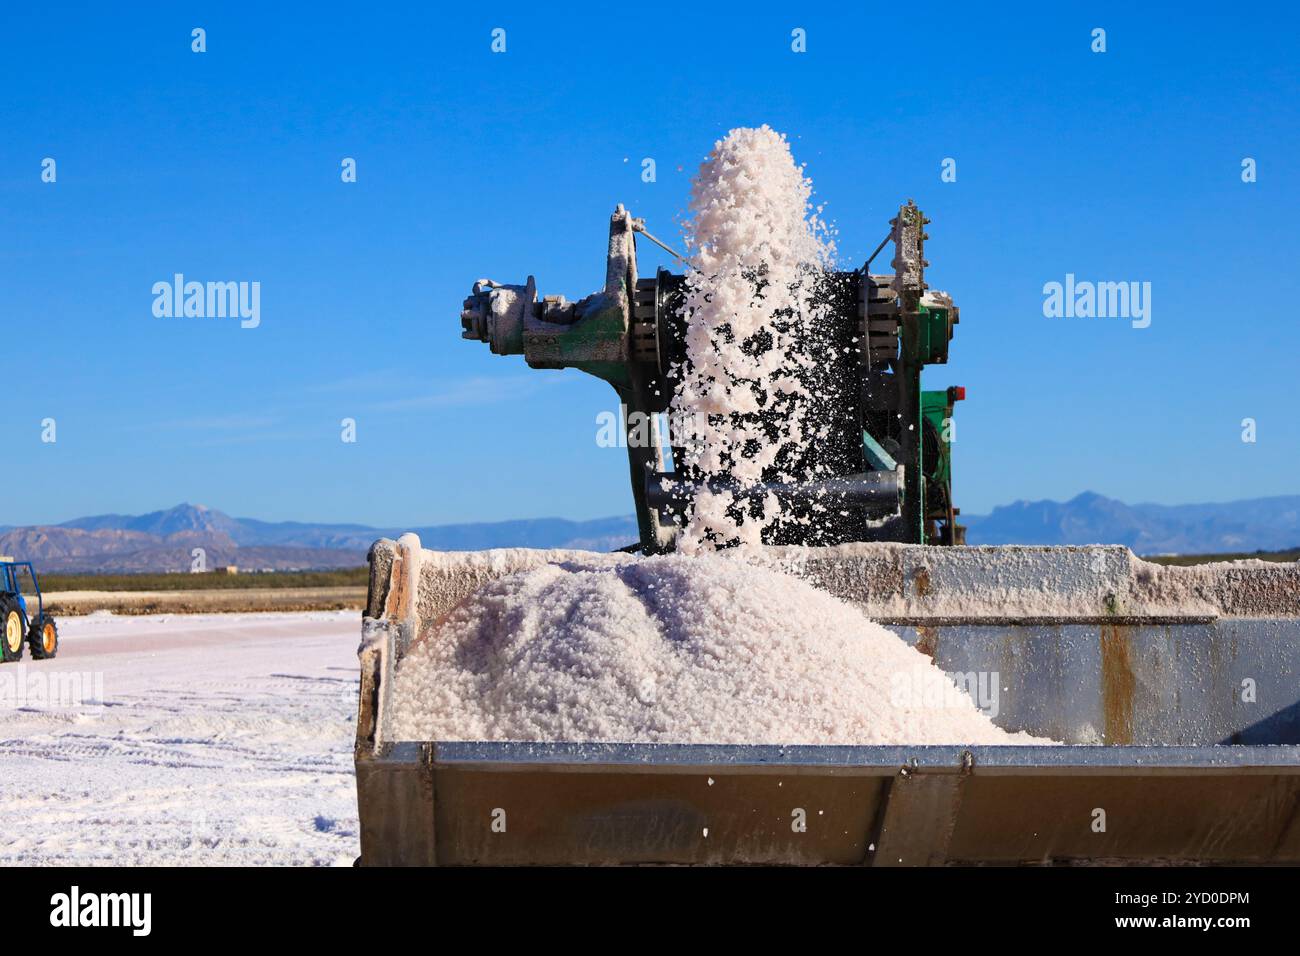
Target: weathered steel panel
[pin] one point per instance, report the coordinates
(1045, 818)
(626, 816)
(1229, 681)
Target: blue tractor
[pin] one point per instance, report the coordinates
(17, 625)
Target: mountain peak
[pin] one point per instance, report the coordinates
(183, 517)
(1088, 498)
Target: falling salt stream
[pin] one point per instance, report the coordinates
(752, 219)
(701, 646)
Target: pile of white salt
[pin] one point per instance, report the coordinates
(673, 649)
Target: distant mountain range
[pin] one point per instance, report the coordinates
(164, 540)
(1256, 524)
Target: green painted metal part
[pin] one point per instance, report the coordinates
(594, 344)
(925, 337)
(937, 420)
(929, 345)
(877, 457)
(937, 410)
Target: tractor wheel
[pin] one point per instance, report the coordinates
(44, 638)
(11, 630)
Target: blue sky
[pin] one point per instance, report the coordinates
(225, 166)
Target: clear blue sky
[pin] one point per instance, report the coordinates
(225, 166)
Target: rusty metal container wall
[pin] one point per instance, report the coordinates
(1161, 738)
(1232, 681)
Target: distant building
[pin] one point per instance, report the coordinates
(228, 569)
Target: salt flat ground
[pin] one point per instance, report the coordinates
(220, 739)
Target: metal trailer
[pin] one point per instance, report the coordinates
(1181, 727)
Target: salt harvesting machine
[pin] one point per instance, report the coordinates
(884, 434)
(1175, 691)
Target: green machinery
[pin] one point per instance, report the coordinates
(888, 450)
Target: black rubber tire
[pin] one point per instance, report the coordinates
(36, 638)
(9, 607)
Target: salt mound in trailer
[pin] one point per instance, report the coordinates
(674, 649)
(1176, 692)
